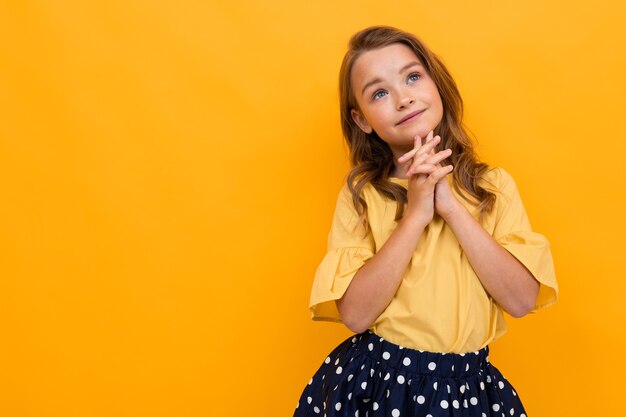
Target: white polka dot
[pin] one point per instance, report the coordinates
(337, 361)
(466, 367)
(465, 403)
(298, 405)
(496, 407)
(375, 406)
(327, 360)
(316, 409)
(406, 361)
(338, 406)
(488, 378)
(387, 393)
(432, 366)
(501, 384)
(484, 415)
(421, 399)
(362, 366)
(356, 413)
(336, 386)
(349, 396)
(514, 393)
(370, 346)
(452, 368)
(371, 372)
(522, 415)
(400, 379)
(429, 415)
(512, 411)
(364, 385)
(339, 370)
(309, 399)
(311, 381)
(448, 387)
(482, 385)
(444, 404)
(435, 386)
(455, 404)
(395, 412)
(366, 400)
(387, 376)
(386, 355)
(473, 400)
(462, 389)
(350, 377)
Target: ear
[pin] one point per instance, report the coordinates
(360, 121)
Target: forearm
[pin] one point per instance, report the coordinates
(376, 282)
(506, 279)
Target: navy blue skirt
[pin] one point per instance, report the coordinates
(368, 376)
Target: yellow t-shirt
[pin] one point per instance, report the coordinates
(440, 305)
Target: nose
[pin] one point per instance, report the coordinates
(405, 101)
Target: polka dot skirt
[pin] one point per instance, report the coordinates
(368, 376)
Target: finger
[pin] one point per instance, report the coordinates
(436, 158)
(438, 139)
(408, 155)
(432, 143)
(427, 157)
(417, 161)
(439, 173)
(417, 144)
(422, 169)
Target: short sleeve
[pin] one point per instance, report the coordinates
(349, 247)
(513, 232)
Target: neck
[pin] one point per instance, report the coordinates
(398, 170)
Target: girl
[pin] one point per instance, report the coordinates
(420, 264)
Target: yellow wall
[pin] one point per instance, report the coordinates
(168, 172)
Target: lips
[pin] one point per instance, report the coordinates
(410, 116)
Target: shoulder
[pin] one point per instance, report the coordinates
(367, 192)
(497, 179)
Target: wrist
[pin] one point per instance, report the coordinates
(455, 211)
(414, 220)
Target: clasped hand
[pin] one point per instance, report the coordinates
(428, 190)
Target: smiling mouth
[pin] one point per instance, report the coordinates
(410, 117)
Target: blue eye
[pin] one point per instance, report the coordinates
(378, 94)
(414, 77)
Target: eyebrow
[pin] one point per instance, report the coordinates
(378, 80)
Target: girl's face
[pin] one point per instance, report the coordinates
(396, 97)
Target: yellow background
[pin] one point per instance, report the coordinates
(168, 172)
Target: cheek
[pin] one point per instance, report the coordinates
(435, 101)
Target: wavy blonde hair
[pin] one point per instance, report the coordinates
(371, 157)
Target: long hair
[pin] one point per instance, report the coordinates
(372, 159)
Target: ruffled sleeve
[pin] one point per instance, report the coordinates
(513, 232)
(349, 247)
